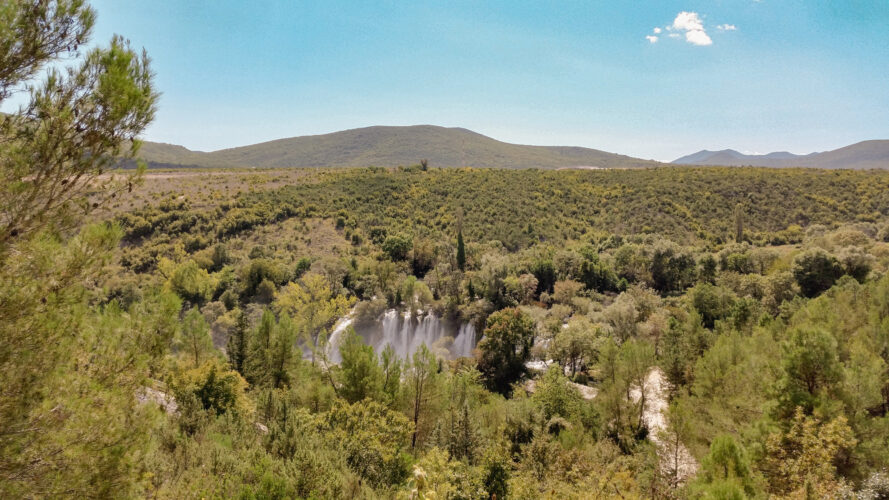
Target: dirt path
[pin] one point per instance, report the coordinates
(676, 461)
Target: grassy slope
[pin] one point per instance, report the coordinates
(391, 146)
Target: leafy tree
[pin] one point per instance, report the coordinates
(372, 438)
(362, 377)
(545, 272)
(423, 256)
(631, 262)
(67, 408)
(265, 292)
(635, 361)
(736, 257)
(726, 470)
(671, 269)
(302, 266)
(780, 287)
(188, 280)
(415, 295)
(520, 289)
(76, 123)
(314, 307)
(258, 360)
(281, 354)
(707, 269)
(555, 396)
(811, 368)
(623, 316)
(816, 270)
(496, 475)
(800, 462)
(613, 399)
(391, 366)
(505, 348)
(420, 384)
(397, 246)
(220, 257)
(566, 290)
(682, 345)
(216, 388)
(856, 263)
(712, 303)
(257, 272)
(596, 275)
(195, 342)
(577, 345)
(679, 430)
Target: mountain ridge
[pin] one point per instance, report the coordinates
(391, 146)
(861, 155)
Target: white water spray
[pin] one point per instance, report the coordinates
(405, 334)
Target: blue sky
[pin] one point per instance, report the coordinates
(775, 75)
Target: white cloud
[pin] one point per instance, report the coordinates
(698, 37)
(657, 31)
(693, 26)
(688, 21)
(651, 38)
(727, 27)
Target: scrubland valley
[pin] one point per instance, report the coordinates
(738, 313)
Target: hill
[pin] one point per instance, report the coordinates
(863, 155)
(159, 154)
(391, 146)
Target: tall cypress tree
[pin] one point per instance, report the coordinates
(461, 252)
(258, 360)
(237, 343)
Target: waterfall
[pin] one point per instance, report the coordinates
(465, 341)
(333, 341)
(405, 334)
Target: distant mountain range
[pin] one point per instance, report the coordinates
(391, 146)
(863, 155)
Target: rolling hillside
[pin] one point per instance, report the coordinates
(391, 146)
(863, 155)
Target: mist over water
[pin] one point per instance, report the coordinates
(405, 334)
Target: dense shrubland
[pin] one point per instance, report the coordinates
(771, 339)
(692, 333)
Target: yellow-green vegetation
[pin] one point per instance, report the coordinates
(659, 333)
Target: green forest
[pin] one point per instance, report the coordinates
(671, 332)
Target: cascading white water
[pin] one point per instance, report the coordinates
(405, 334)
(333, 341)
(465, 342)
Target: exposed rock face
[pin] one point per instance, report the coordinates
(162, 399)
